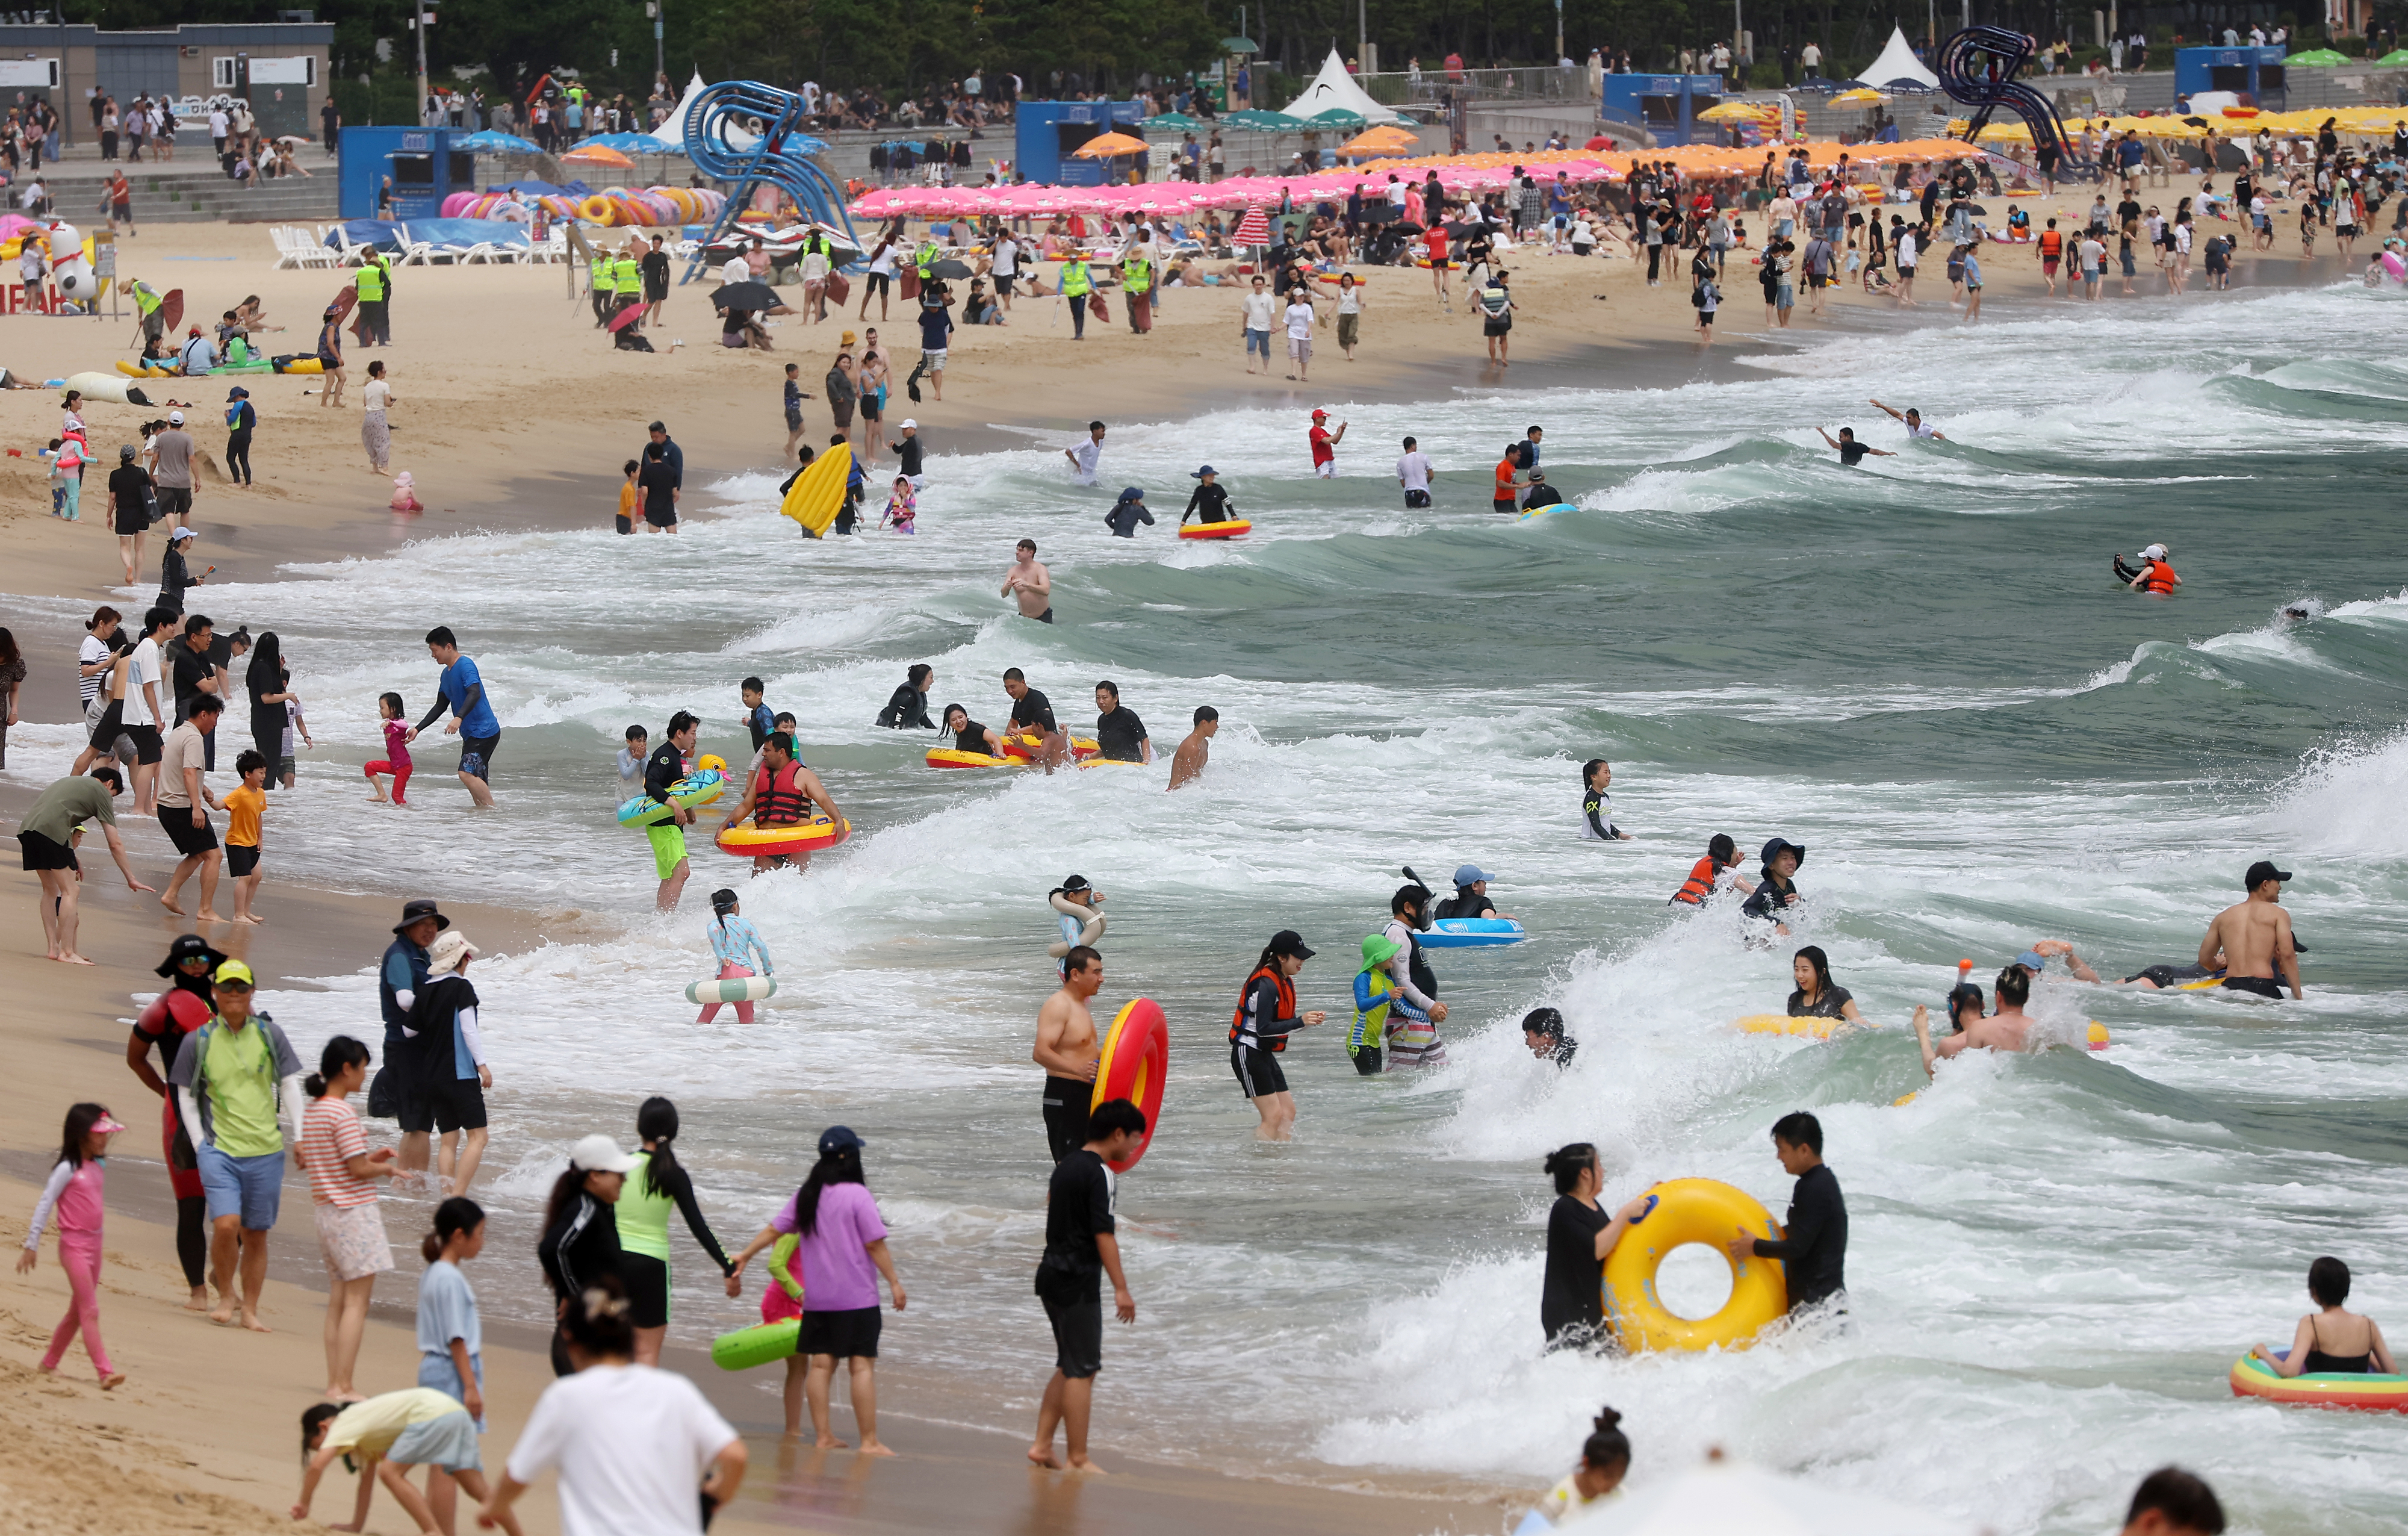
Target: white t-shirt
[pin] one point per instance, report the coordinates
(1261, 309)
(1414, 471)
(1299, 323)
(1088, 453)
(632, 1443)
(377, 396)
(734, 271)
(143, 669)
(1007, 258)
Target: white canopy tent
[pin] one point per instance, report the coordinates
(1898, 64)
(1334, 86)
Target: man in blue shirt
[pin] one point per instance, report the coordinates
(936, 327)
(462, 691)
(400, 977)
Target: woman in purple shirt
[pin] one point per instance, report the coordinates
(830, 1248)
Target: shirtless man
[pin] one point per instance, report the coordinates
(2256, 938)
(1030, 583)
(1067, 1049)
(1187, 763)
(2008, 1029)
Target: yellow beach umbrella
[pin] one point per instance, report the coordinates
(1381, 141)
(818, 491)
(1860, 96)
(1739, 111)
(1105, 144)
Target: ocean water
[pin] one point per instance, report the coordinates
(1919, 669)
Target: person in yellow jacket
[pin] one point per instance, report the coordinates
(597, 285)
(628, 277)
(146, 301)
(1077, 283)
(1137, 286)
(374, 285)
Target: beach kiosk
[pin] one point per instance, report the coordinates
(424, 165)
(1666, 106)
(1050, 132)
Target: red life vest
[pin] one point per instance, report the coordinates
(776, 800)
(2161, 578)
(1700, 883)
(2052, 244)
(1274, 1043)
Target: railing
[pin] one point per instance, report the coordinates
(1429, 88)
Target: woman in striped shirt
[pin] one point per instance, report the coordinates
(342, 1182)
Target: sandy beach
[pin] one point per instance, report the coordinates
(513, 414)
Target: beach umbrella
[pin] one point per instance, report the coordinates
(1104, 146)
(2323, 56)
(1864, 96)
(2394, 59)
(1336, 117)
(494, 142)
(597, 154)
(949, 267)
(755, 296)
(1260, 122)
(1739, 111)
(631, 314)
(1174, 123)
(1381, 141)
(1253, 229)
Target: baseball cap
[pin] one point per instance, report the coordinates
(910, 422)
(1471, 874)
(176, 417)
(598, 1154)
(2260, 872)
(1289, 941)
(182, 533)
(837, 1137)
(232, 970)
(190, 946)
(1320, 415)
(2032, 959)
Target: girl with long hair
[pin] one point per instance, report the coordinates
(74, 1192)
(656, 1183)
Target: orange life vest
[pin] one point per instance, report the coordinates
(2052, 244)
(777, 801)
(1275, 1043)
(2161, 578)
(1700, 883)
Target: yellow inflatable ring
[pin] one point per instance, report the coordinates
(1688, 1211)
(599, 209)
(749, 840)
(1780, 1023)
(1024, 745)
(946, 757)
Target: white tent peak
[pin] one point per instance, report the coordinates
(1334, 86)
(1897, 62)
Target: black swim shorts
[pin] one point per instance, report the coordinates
(1257, 1071)
(477, 756)
(2258, 986)
(1078, 1336)
(176, 822)
(1065, 1105)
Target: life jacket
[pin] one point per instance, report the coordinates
(1274, 1043)
(1700, 883)
(1075, 283)
(146, 299)
(1136, 275)
(627, 275)
(598, 269)
(776, 800)
(2161, 578)
(2052, 244)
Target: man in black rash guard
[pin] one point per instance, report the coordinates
(909, 707)
(1120, 735)
(1033, 712)
(1815, 1254)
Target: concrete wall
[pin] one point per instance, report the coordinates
(178, 61)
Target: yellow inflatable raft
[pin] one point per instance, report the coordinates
(946, 757)
(1782, 1023)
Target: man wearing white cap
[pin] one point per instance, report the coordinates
(910, 449)
(172, 471)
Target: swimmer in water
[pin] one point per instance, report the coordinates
(968, 734)
(2254, 938)
(1915, 425)
(2154, 574)
(1187, 763)
(1718, 869)
(1596, 810)
(1776, 892)
(1817, 996)
(1964, 1008)
(1259, 1030)
(1852, 452)
(1074, 902)
(1470, 897)
(1605, 1460)
(1032, 713)
(2333, 1338)
(1067, 1049)
(1542, 1036)
(2008, 1029)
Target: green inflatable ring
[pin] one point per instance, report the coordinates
(757, 1346)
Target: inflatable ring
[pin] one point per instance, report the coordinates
(694, 789)
(599, 209)
(759, 1344)
(1134, 1060)
(946, 757)
(1687, 1211)
(1781, 1024)
(1472, 933)
(734, 989)
(1215, 530)
(1023, 744)
(2253, 1378)
(748, 839)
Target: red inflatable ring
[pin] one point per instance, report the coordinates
(1135, 1058)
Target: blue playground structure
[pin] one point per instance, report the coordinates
(745, 133)
(1978, 67)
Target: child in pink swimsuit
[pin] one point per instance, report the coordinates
(74, 1192)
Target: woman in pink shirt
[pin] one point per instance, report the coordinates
(837, 1245)
(74, 1192)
